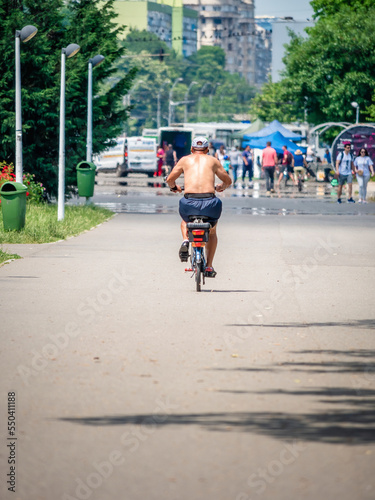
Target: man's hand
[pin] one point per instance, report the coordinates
(220, 188)
(176, 189)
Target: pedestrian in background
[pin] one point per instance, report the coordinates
(299, 164)
(170, 159)
(234, 156)
(363, 166)
(247, 159)
(160, 156)
(287, 164)
(220, 153)
(327, 159)
(269, 161)
(345, 171)
(211, 149)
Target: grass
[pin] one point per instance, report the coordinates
(7, 256)
(42, 225)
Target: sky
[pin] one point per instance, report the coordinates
(300, 10)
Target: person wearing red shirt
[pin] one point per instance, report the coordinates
(269, 162)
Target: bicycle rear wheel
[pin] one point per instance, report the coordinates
(198, 277)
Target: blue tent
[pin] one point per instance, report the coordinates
(277, 142)
(273, 127)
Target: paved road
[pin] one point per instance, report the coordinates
(130, 385)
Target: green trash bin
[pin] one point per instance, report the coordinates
(13, 205)
(86, 178)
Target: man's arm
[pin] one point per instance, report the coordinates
(244, 159)
(223, 176)
(175, 174)
(337, 165)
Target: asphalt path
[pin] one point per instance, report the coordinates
(130, 385)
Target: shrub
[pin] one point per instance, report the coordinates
(35, 190)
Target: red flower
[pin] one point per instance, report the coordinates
(27, 193)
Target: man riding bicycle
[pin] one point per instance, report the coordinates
(199, 171)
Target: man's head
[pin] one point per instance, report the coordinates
(269, 144)
(285, 148)
(247, 148)
(347, 146)
(170, 146)
(199, 144)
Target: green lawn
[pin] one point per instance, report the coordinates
(42, 225)
(7, 256)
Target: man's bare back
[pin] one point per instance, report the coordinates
(199, 171)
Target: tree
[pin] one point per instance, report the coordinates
(331, 7)
(88, 23)
(328, 70)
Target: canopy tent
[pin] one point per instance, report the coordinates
(254, 127)
(274, 126)
(277, 142)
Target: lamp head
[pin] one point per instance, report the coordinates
(71, 50)
(27, 33)
(95, 61)
(355, 104)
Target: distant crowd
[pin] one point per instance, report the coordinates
(296, 166)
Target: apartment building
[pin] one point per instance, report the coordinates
(228, 24)
(170, 20)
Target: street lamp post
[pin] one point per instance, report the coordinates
(69, 51)
(186, 99)
(95, 61)
(213, 91)
(24, 35)
(200, 99)
(171, 102)
(158, 111)
(356, 106)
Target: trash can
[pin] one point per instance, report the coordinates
(13, 205)
(86, 178)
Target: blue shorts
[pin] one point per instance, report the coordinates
(208, 207)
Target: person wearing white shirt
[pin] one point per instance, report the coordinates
(344, 171)
(363, 166)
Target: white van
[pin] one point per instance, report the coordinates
(140, 154)
(112, 159)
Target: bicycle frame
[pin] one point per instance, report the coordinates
(198, 232)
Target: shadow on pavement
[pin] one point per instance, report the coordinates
(353, 424)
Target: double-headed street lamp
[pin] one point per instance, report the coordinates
(186, 100)
(95, 61)
(69, 51)
(24, 35)
(356, 106)
(213, 91)
(200, 99)
(158, 111)
(171, 103)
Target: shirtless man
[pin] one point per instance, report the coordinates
(199, 171)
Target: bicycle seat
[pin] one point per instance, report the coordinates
(194, 218)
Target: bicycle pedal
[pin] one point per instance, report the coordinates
(188, 270)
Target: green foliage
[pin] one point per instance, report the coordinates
(42, 225)
(88, 23)
(331, 7)
(217, 94)
(4, 256)
(325, 72)
(35, 190)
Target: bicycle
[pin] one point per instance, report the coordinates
(198, 233)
